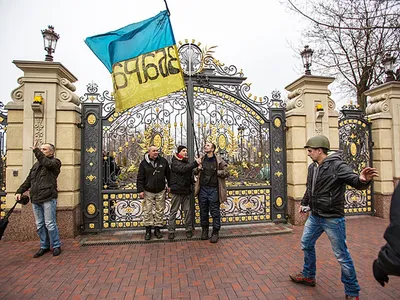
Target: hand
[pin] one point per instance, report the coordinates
(35, 145)
(169, 190)
(17, 197)
(379, 273)
(200, 167)
(367, 174)
(198, 160)
(141, 195)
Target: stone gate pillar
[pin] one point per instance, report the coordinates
(44, 109)
(383, 109)
(310, 111)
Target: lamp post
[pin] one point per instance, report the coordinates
(50, 38)
(388, 63)
(306, 56)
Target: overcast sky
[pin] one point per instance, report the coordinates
(253, 35)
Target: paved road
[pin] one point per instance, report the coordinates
(254, 267)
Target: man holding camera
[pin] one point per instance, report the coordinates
(327, 178)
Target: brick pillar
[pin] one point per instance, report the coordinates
(303, 121)
(384, 111)
(53, 121)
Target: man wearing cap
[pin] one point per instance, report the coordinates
(42, 182)
(327, 178)
(181, 190)
(152, 179)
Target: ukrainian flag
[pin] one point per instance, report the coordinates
(142, 59)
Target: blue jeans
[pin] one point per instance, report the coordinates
(46, 226)
(335, 229)
(209, 203)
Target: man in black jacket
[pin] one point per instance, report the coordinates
(388, 262)
(324, 196)
(153, 173)
(42, 182)
(181, 190)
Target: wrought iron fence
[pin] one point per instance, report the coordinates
(3, 161)
(356, 144)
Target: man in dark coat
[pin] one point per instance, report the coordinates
(153, 175)
(181, 190)
(324, 196)
(211, 190)
(42, 182)
(388, 262)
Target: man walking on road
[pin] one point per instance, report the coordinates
(327, 178)
(42, 182)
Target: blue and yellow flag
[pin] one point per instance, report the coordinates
(142, 59)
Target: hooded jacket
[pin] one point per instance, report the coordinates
(42, 178)
(389, 256)
(326, 184)
(182, 175)
(152, 175)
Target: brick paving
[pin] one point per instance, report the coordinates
(246, 267)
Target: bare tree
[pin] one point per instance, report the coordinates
(350, 39)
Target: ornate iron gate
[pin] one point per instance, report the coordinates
(248, 131)
(356, 144)
(3, 131)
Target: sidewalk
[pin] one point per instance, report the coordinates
(243, 266)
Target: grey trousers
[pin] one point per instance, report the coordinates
(184, 201)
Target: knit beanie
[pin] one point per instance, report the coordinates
(180, 148)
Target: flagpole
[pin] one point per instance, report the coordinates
(188, 102)
(166, 6)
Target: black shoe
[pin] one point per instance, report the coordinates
(56, 251)
(171, 236)
(214, 236)
(148, 233)
(158, 233)
(204, 233)
(189, 234)
(41, 252)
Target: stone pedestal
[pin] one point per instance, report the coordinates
(53, 120)
(383, 109)
(303, 121)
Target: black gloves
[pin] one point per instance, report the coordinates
(379, 273)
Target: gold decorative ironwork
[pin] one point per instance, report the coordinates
(279, 201)
(91, 119)
(279, 173)
(277, 122)
(277, 149)
(91, 177)
(91, 150)
(91, 209)
(91, 225)
(353, 149)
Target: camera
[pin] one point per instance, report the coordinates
(305, 209)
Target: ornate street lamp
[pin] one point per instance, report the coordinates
(306, 56)
(50, 38)
(388, 63)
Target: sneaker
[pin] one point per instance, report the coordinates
(171, 236)
(189, 234)
(352, 297)
(56, 251)
(41, 252)
(299, 278)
